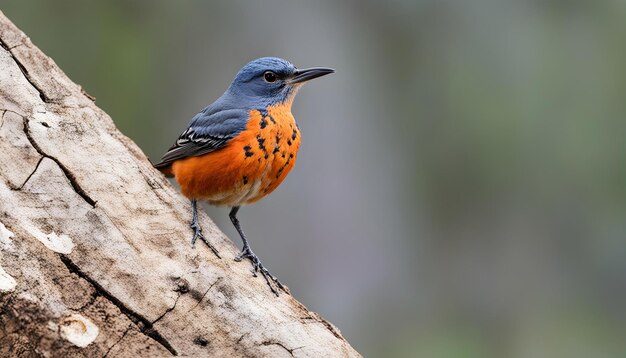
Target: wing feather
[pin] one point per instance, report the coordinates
(209, 130)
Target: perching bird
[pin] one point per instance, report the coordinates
(241, 147)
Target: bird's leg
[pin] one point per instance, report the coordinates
(197, 230)
(246, 252)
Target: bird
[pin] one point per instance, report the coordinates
(241, 147)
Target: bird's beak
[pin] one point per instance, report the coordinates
(308, 74)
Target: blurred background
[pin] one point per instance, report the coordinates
(461, 186)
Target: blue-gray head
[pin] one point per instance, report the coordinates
(269, 81)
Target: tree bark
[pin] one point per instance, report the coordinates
(95, 255)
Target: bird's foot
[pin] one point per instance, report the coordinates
(257, 266)
(197, 234)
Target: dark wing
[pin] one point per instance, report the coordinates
(207, 132)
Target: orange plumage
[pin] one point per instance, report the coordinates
(249, 167)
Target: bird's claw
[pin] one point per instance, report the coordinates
(257, 266)
(197, 234)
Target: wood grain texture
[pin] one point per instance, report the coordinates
(95, 257)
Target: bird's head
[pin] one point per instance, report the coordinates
(271, 81)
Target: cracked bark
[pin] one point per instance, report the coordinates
(67, 172)
(118, 341)
(89, 231)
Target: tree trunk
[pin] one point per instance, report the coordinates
(95, 255)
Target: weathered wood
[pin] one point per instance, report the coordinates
(95, 257)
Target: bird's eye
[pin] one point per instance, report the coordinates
(270, 76)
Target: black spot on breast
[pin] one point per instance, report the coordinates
(280, 170)
(261, 143)
(294, 134)
(245, 180)
(247, 150)
(283, 155)
(263, 122)
(289, 141)
(277, 146)
(272, 119)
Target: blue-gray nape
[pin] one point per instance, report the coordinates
(250, 89)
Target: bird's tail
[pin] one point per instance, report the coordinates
(165, 168)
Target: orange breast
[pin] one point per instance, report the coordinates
(249, 167)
